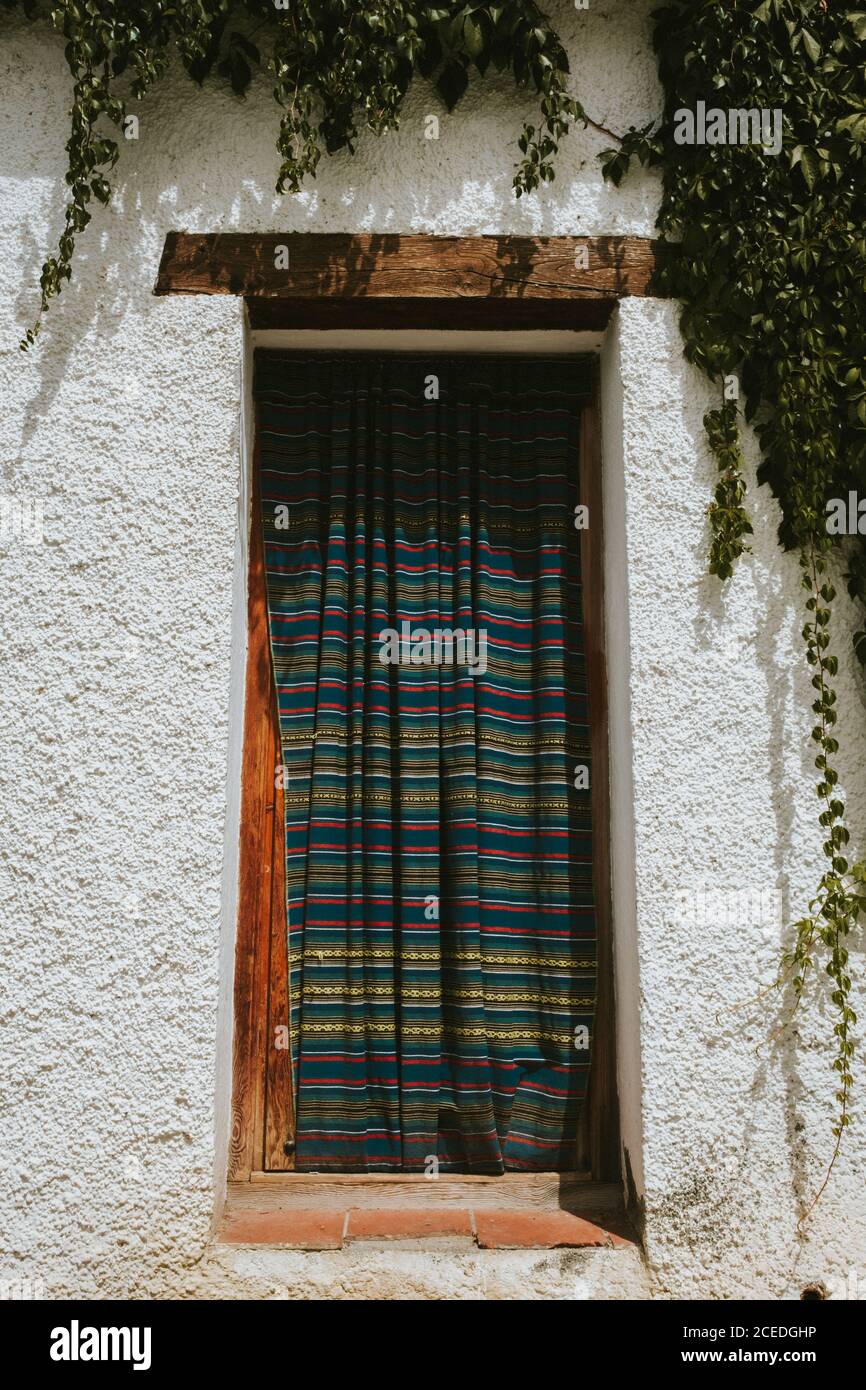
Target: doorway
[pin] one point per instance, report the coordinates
(449, 1031)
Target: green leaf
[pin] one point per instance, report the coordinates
(452, 83)
(855, 125)
(473, 37)
(810, 165)
(248, 49)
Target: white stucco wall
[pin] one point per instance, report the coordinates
(119, 750)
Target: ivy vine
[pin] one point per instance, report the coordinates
(337, 66)
(765, 251)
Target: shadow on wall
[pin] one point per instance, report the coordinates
(751, 631)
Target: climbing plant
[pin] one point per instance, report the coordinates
(766, 249)
(337, 66)
(763, 243)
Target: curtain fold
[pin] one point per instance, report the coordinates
(424, 604)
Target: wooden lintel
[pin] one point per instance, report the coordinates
(303, 266)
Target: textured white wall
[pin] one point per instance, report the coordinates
(119, 759)
(736, 1126)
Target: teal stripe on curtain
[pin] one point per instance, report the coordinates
(424, 603)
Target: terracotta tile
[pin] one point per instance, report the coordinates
(518, 1230)
(407, 1223)
(306, 1229)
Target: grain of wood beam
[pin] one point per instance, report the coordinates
(390, 266)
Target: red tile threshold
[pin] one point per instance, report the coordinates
(407, 1224)
(314, 1229)
(526, 1230)
(493, 1229)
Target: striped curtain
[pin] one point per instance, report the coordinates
(422, 560)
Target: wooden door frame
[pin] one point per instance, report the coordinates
(394, 281)
(261, 1071)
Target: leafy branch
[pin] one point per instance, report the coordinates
(835, 910)
(728, 518)
(767, 256)
(338, 67)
